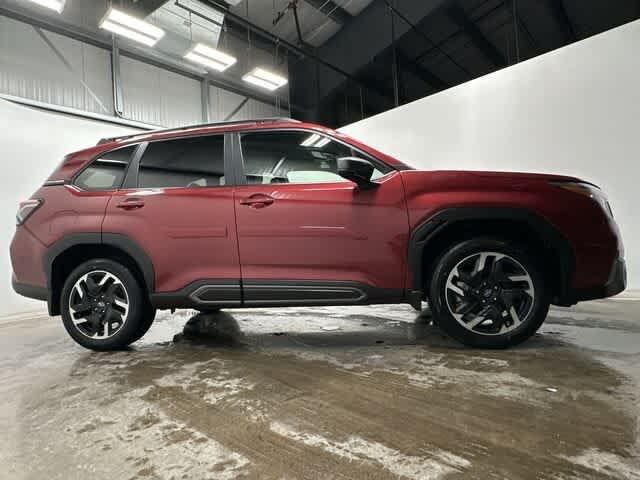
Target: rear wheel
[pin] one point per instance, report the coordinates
(488, 293)
(148, 317)
(104, 307)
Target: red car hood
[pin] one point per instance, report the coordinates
(492, 177)
(526, 176)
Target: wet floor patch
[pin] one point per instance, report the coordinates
(271, 394)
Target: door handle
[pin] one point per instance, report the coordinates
(130, 204)
(257, 200)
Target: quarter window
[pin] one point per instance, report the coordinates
(294, 157)
(107, 171)
(186, 162)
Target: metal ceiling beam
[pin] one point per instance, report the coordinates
(142, 7)
(460, 18)
(562, 17)
(237, 20)
(332, 10)
(421, 72)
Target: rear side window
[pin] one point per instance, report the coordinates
(185, 162)
(107, 171)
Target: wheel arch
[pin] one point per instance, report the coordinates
(72, 250)
(430, 239)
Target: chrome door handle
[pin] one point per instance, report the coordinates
(130, 204)
(257, 200)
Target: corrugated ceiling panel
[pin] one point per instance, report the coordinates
(222, 103)
(156, 96)
(29, 68)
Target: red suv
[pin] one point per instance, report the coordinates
(276, 212)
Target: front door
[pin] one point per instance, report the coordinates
(305, 234)
(179, 211)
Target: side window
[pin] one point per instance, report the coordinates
(106, 172)
(184, 162)
(293, 157)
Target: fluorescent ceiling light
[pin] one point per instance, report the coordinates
(57, 5)
(310, 140)
(323, 142)
(210, 57)
(316, 141)
(265, 79)
(131, 27)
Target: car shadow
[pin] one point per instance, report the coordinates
(224, 329)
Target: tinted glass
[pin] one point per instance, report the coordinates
(106, 172)
(294, 157)
(185, 162)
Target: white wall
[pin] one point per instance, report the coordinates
(32, 144)
(573, 111)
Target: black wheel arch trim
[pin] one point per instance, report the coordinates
(438, 222)
(116, 240)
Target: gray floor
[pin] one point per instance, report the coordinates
(323, 393)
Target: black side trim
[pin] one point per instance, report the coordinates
(282, 293)
(30, 291)
(267, 293)
(218, 293)
(435, 224)
(258, 292)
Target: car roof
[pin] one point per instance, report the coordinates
(201, 128)
(241, 125)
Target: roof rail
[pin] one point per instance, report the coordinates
(201, 125)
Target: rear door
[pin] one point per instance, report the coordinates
(307, 235)
(178, 208)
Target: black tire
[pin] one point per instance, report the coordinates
(148, 317)
(444, 299)
(128, 328)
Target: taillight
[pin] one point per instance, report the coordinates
(25, 209)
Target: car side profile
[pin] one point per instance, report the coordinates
(276, 212)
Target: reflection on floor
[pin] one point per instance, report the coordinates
(318, 393)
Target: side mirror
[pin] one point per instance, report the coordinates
(358, 170)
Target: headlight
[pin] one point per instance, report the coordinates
(587, 190)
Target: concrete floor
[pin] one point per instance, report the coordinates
(323, 393)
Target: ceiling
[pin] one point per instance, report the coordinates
(438, 43)
(451, 42)
(319, 19)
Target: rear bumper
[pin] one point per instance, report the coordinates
(616, 283)
(30, 291)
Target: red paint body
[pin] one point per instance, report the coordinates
(315, 232)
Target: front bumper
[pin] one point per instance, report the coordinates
(616, 283)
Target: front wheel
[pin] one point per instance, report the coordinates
(488, 293)
(103, 306)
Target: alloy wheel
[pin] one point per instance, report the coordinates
(489, 293)
(99, 304)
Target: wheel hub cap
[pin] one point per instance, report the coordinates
(99, 304)
(489, 293)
